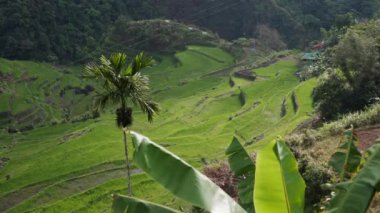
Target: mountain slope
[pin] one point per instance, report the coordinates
(194, 123)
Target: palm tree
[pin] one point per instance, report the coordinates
(123, 83)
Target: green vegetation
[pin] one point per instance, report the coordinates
(356, 193)
(122, 84)
(278, 186)
(70, 32)
(243, 168)
(218, 69)
(194, 123)
(156, 36)
(350, 83)
(37, 94)
(367, 117)
(185, 181)
(347, 159)
(276, 170)
(55, 31)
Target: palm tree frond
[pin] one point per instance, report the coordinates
(100, 102)
(152, 109)
(105, 61)
(122, 83)
(118, 61)
(140, 62)
(92, 70)
(102, 99)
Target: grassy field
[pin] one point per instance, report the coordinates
(77, 166)
(37, 93)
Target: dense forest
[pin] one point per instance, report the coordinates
(63, 31)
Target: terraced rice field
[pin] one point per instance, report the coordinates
(77, 166)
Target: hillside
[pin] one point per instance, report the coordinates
(77, 166)
(70, 31)
(156, 36)
(34, 94)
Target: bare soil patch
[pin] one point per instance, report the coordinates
(367, 137)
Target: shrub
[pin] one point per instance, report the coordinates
(231, 82)
(369, 116)
(352, 82)
(242, 97)
(294, 102)
(222, 176)
(283, 108)
(305, 139)
(314, 173)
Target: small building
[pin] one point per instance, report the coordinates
(246, 74)
(311, 56)
(319, 46)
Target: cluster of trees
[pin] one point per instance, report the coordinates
(63, 30)
(351, 80)
(297, 21)
(59, 30)
(155, 35)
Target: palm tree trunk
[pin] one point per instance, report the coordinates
(127, 162)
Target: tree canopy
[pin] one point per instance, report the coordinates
(353, 79)
(73, 31)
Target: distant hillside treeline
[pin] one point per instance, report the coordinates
(65, 30)
(53, 30)
(297, 21)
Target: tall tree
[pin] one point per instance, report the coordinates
(123, 83)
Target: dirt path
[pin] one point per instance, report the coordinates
(65, 188)
(367, 137)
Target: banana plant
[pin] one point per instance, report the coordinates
(356, 194)
(347, 159)
(278, 185)
(180, 178)
(185, 182)
(127, 204)
(242, 166)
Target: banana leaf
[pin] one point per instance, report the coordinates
(356, 195)
(180, 178)
(125, 204)
(346, 161)
(278, 185)
(242, 167)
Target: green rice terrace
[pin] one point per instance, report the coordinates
(212, 106)
(65, 158)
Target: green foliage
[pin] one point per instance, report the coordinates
(352, 82)
(231, 82)
(294, 102)
(67, 31)
(122, 83)
(184, 181)
(55, 30)
(242, 98)
(205, 137)
(346, 161)
(344, 20)
(278, 185)
(276, 170)
(356, 194)
(242, 166)
(124, 204)
(283, 108)
(315, 175)
(369, 116)
(158, 36)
